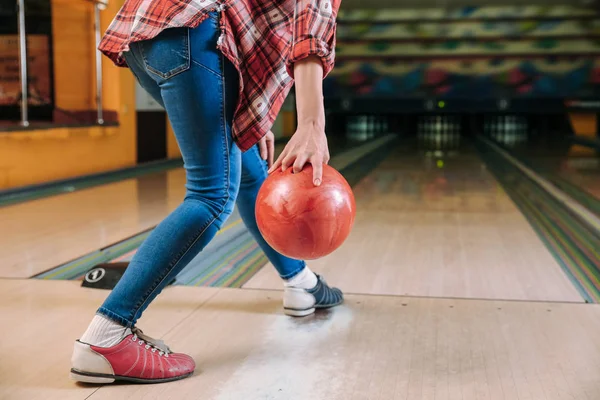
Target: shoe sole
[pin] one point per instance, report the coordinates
(89, 377)
(293, 312)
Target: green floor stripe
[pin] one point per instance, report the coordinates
(252, 269)
(239, 267)
(557, 251)
(246, 268)
(581, 234)
(225, 260)
(564, 250)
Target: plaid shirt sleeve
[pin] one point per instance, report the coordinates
(314, 33)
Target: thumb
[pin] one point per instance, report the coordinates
(317, 172)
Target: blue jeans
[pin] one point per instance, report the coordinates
(183, 70)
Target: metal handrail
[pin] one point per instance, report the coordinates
(99, 5)
(23, 63)
(100, 117)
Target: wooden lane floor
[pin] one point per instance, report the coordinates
(442, 227)
(42, 234)
(372, 347)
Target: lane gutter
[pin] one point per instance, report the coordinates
(584, 214)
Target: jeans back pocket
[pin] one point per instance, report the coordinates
(168, 54)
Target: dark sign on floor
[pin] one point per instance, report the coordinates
(104, 276)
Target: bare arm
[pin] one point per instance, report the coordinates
(309, 143)
(309, 92)
(310, 60)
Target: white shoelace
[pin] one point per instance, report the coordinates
(155, 344)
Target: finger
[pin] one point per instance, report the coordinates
(299, 163)
(275, 165)
(270, 151)
(278, 162)
(288, 161)
(317, 165)
(262, 146)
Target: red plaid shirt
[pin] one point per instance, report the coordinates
(262, 38)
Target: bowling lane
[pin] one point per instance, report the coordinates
(42, 234)
(436, 223)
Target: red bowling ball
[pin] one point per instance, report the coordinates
(301, 220)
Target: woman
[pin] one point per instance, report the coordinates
(222, 70)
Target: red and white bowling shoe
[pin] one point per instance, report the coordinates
(137, 358)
